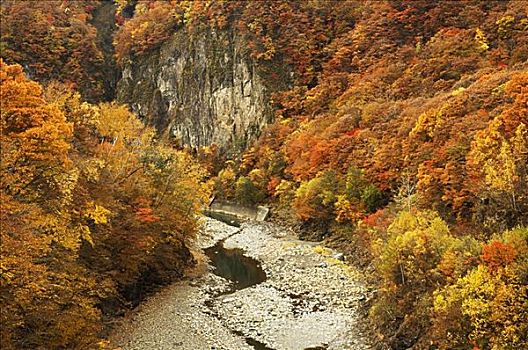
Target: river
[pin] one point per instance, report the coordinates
(257, 287)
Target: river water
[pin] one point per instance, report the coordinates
(264, 290)
(233, 265)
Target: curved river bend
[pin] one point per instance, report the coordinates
(264, 289)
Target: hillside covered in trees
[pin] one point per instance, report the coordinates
(399, 134)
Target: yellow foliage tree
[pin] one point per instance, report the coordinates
(487, 307)
(42, 288)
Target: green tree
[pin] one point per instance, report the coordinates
(247, 193)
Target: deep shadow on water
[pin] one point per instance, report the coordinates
(233, 265)
(242, 270)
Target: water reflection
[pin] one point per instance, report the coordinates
(233, 265)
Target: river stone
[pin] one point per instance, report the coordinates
(299, 306)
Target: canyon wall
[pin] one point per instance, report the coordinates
(202, 89)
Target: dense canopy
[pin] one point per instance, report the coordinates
(400, 134)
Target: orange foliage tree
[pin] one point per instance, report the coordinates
(54, 40)
(94, 209)
(47, 298)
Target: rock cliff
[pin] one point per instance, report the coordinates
(202, 89)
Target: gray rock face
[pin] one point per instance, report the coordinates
(203, 89)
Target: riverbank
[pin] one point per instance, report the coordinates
(310, 299)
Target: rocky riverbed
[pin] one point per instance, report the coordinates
(309, 299)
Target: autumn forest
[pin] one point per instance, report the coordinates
(397, 134)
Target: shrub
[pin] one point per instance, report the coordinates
(315, 199)
(247, 193)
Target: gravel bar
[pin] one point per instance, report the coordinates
(310, 300)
